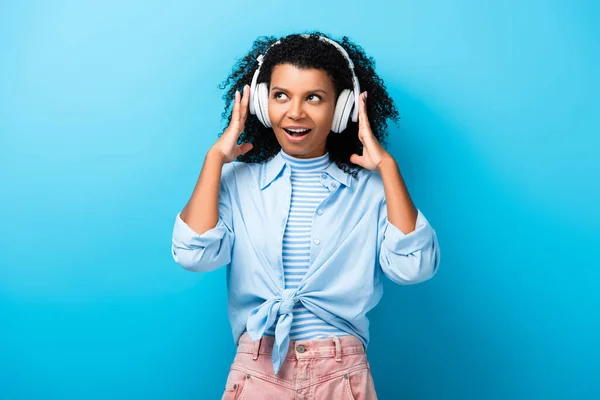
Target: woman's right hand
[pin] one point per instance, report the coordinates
(227, 144)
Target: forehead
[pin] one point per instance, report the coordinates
(288, 76)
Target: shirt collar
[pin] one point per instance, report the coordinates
(273, 167)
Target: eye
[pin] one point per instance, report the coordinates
(276, 95)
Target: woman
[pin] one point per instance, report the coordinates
(306, 208)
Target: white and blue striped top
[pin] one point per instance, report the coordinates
(307, 193)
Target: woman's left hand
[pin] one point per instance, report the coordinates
(373, 152)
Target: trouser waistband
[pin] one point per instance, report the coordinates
(337, 346)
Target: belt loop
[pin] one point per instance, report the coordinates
(256, 348)
(338, 349)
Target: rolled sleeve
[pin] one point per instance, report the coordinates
(201, 253)
(408, 258)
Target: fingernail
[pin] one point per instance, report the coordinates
(365, 94)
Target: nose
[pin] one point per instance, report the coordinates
(295, 111)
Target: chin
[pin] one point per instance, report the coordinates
(295, 151)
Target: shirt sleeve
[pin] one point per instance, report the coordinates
(407, 258)
(210, 250)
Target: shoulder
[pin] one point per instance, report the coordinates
(368, 181)
(235, 172)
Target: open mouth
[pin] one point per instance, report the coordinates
(297, 132)
(296, 135)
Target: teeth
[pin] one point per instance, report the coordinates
(298, 130)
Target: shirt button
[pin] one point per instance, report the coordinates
(334, 185)
(324, 176)
(320, 212)
(300, 349)
(317, 241)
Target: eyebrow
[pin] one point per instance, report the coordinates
(310, 91)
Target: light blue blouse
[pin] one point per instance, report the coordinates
(352, 244)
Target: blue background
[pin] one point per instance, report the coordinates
(107, 109)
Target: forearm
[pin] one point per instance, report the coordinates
(201, 213)
(402, 213)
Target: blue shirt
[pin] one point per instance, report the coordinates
(352, 244)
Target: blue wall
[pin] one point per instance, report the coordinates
(107, 110)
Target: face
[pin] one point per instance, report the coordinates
(301, 98)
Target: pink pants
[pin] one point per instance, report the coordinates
(332, 368)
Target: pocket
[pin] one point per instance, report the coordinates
(235, 385)
(359, 385)
(348, 387)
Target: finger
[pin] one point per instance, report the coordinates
(243, 109)
(364, 118)
(356, 159)
(233, 128)
(365, 134)
(362, 112)
(235, 114)
(244, 148)
(244, 105)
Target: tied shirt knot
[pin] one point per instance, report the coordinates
(262, 317)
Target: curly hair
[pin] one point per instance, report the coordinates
(305, 53)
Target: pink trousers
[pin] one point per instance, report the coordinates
(332, 368)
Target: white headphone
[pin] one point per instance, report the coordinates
(346, 102)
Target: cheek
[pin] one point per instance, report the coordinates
(275, 115)
(325, 117)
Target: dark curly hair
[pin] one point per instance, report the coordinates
(305, 53)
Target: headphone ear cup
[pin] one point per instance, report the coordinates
(262, 104)
(253, 101)
(342, 112)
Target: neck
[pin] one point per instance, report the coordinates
(306, 164)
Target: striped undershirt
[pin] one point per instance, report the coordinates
(307, 194)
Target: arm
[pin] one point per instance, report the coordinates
(203, 233)
(409, 257)
(201, 213)
(400, 209)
